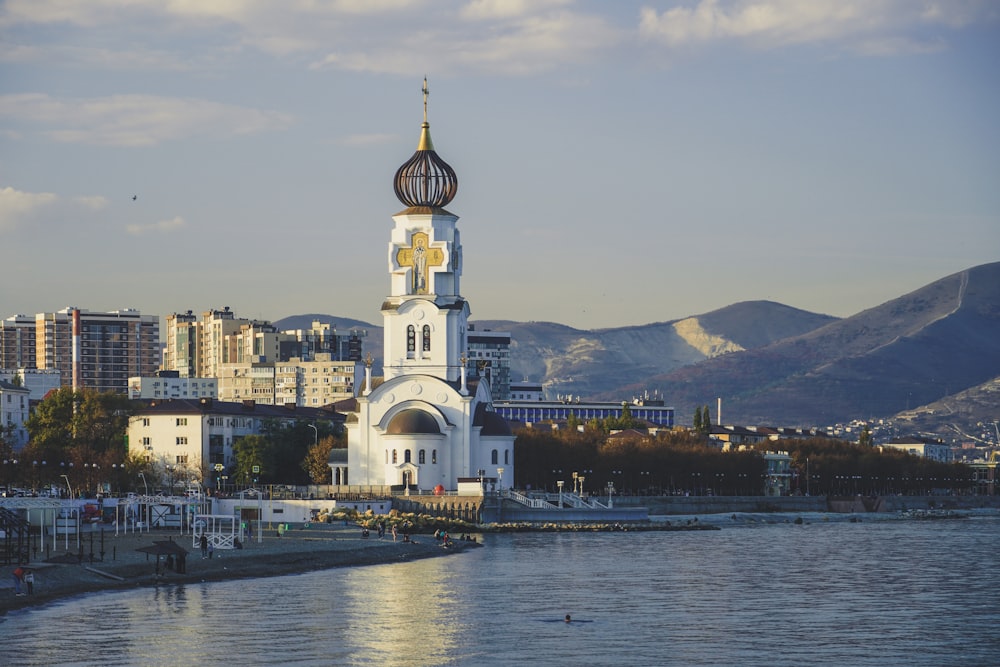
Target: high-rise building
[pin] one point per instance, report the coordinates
(489, 359)
(99, 351)
(17, 342)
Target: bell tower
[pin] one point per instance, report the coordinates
(425, 317)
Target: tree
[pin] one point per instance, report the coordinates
(250, 451)
(697, 419)
(706, 419)
(316, 462)
(865, 438)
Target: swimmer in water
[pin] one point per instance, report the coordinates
(568, 619)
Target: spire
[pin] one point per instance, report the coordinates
(425, 179)
(425, 130)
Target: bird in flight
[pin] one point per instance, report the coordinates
(134, 197)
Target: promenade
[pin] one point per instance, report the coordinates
(320, 546)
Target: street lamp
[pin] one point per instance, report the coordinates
(560, 485)
(576, 479)
(67, 485)
(144, 485)
(499, 479)
(315, 434)
(611, 488)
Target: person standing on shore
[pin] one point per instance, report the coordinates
(18, 578)
(29, 581)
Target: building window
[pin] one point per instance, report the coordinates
(394, 457)
(182, 440)
(182, 460)
(182, 421)
(427, 338)
(422, 456)
(406, 456)
(145, 421)
(434, 456)
(493, 457)
(506, 457)
(411, 339)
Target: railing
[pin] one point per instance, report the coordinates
(533, 503)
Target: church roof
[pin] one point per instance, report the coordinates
(413, 422)
(491, 422)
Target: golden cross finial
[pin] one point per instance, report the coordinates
(426, 92)
(368, 360)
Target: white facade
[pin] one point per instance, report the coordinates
(194, 436)
(425, 425)
(151, 388)
(14, 413)
(37, 381)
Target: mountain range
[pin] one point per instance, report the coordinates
(929, 359)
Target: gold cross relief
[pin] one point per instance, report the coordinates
(420, 257)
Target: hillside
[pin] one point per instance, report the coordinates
(907, 352)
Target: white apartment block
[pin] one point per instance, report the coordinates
(14, 413)
(195, 436)
(294, 382)
(168, 384)
(38, 382)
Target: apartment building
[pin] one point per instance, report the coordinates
(97, 350)
(488, 357)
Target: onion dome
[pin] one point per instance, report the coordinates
(425, 179)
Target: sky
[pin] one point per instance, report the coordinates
(619, 163)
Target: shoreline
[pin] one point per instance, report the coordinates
(327, 546)
(298, 551)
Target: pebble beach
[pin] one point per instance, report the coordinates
(302, 549)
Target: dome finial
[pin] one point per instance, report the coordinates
(426, 93)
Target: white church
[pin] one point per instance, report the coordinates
(426, 425)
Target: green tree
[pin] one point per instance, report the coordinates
(697, 419)
(250, 451)
(706, 419)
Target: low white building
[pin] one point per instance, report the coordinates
(38, 381)
(195, 437)
(14, 401)
(929, 449)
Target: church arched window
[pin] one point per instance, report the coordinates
(427, 338)
(411, 339)
(493, 458)
(422, 456)
(406, 456)
(434, 456)
(394, 457)
(506, 457)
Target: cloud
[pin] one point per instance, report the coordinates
(136, 120)
(161, 227)
(514, 44)
(494, 9)
(16, 206)
(890, 24)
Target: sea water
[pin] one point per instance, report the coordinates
(818, 593)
